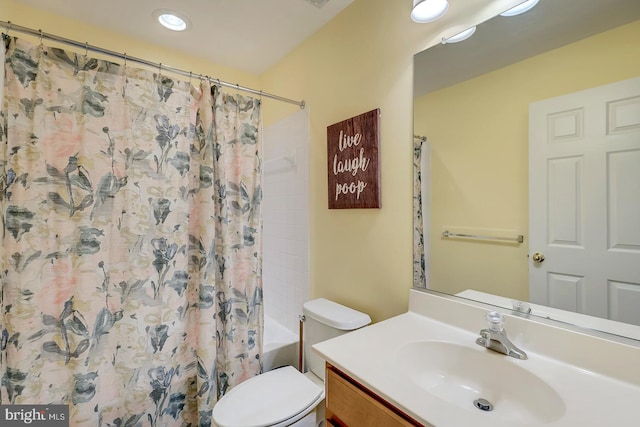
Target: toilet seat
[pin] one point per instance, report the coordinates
(275, 398)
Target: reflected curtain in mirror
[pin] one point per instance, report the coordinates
(419, 255)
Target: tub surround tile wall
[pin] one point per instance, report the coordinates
(286, 219)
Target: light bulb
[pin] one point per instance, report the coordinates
(171, 20)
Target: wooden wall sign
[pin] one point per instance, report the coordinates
(353, 162)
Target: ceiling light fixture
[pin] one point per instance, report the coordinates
(463, 35)
(521, 8)
(428, 10)
(318, 3)
(171, 20)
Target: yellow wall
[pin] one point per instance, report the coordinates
(479, 135)
(358, 257)
(360, 60)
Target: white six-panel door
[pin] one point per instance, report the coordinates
(584, 201)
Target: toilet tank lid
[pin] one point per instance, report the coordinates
(335, 315)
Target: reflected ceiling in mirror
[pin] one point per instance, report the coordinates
(505, 40)
(471, 102)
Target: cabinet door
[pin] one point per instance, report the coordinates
(350, 404)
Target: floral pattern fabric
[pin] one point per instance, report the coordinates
(419, 261)
(131, 282)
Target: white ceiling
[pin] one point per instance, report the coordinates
(248, 35)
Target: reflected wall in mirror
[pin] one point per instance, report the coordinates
(472, 103)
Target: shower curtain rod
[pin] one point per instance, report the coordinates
(87, 47)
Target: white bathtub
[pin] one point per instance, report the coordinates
(280, 346)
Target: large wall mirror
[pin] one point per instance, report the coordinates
(527, 166)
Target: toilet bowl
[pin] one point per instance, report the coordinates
(285, 396)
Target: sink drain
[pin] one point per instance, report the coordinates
(483, 405)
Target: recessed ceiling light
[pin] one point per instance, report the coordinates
(428, 10)
(318, 3)
(172, 20)
(463, 35)
(521, 8)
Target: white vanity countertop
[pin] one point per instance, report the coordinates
(370, 356)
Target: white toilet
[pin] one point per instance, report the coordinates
(284, 396)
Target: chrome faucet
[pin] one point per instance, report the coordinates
(495, 338)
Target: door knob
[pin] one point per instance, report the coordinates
(538, 257)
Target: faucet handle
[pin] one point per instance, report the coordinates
(495, 321)
(521, 307)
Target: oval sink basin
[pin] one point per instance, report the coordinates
(462, 375)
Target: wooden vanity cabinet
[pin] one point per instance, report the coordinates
(349, 404)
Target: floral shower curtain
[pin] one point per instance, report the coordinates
(131, 285)
(419, 261)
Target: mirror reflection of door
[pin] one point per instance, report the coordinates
(585, 201)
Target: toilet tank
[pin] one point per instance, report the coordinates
(326, 319)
